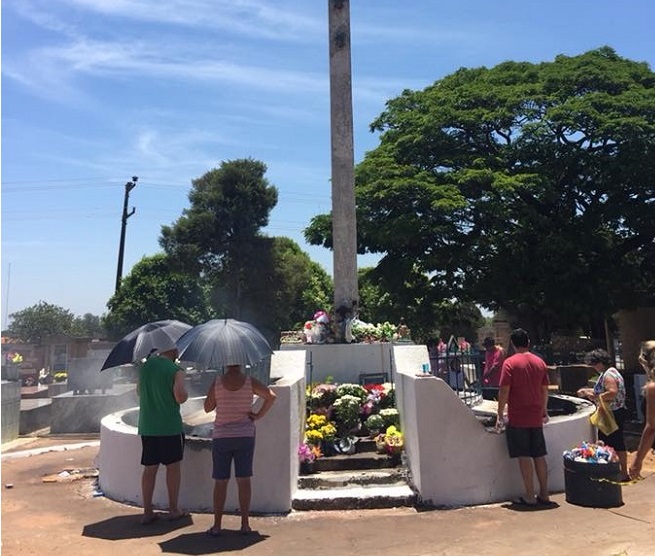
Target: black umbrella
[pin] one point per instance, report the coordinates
(222, 342)
(156, 336)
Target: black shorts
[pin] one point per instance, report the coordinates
(162, 449)
(525, 442)
(616, 440)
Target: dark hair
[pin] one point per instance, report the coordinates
(519, 338)
(488, 341)
(598, 356)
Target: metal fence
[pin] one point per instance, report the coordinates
(462, 370)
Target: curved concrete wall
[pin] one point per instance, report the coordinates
(452, 458)
(275, 468)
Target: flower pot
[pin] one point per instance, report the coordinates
(307, 468)
(327, 448)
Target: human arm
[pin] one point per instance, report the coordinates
(587, 393)
(544, 414)
(648, 434)
(610, 388)
(503, 396)
(266, 394)
(179, 389)
(210, 399)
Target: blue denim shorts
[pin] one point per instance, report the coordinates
(224, 450)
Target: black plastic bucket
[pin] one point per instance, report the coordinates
(592, 484)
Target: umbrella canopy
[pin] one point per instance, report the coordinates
(222, 342)
(155, 336)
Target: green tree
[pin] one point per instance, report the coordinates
(89, 325)
(216, 236)
(267, 281)
(528, 187)
(34, 324)
(155, 289)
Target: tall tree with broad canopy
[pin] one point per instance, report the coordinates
(155, 289)
(266, 281)
(528, 187)
(217, 235)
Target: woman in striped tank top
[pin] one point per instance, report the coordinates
(233, 437)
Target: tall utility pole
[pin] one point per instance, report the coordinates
(121, 248)
(344, 223)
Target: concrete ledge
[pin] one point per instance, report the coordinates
(35, 414)
(83, 412)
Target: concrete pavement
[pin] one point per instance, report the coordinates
(64, 517)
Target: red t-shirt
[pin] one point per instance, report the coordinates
(526, 375)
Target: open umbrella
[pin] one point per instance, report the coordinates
(157, 336)
(222, 342)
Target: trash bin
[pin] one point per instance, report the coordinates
(594, 485)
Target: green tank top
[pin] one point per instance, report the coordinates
(159, 413)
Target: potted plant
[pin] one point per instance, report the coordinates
(374, 424)
(307, 455)
(347, 414)
(394, 443)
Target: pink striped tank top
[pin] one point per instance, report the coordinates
(232, 408)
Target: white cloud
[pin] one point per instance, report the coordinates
(252, 18)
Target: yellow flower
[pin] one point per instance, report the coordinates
(313, 437)
(315, 421)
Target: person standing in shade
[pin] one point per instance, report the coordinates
(524, 391)
(233, 438)
(494, 355)
(161, 390)
(611, 387)
(647, 440)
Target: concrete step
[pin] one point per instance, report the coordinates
(359, 460)
(354, 498)
(344, 479)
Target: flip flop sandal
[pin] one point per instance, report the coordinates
(213, 533)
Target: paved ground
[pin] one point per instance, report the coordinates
(63, 517)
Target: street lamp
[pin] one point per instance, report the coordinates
(121, 248)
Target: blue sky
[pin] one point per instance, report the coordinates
(96, 91)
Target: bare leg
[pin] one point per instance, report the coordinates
(243, 484)
(220, 493)
(173, 480)
(148, 479)
(541, 468)
(623, 462)
(525, 464)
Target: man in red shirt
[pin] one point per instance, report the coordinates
(524, 390)
(494, 356)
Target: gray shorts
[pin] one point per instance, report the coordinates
(224, 450)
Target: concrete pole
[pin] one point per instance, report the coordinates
(344, 224)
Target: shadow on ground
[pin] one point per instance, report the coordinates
(523, 507)
(130, 527)
(202, 543)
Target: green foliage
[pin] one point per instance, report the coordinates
(527, 187)
(34, 324)
(156, 290)
(269, 282)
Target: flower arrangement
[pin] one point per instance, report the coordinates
(60, 376)
(355, 390)
(394, 441)
(308, 453)
(305, 454)
(390, 417)
(374, 423)
(322, 395)
(347, 410)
